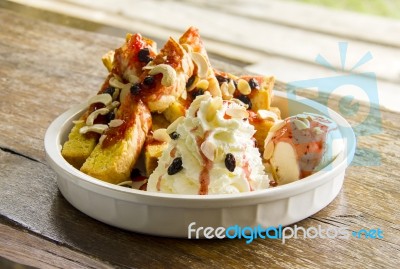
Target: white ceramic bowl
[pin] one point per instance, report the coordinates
(170, 215)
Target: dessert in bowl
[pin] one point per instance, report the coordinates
(204, 154)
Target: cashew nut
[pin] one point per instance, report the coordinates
(103, 98)
(102, 111)
(97, 128)
(202, 64)
(116, 83)
(169, 74)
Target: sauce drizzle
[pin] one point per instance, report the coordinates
(204, 177)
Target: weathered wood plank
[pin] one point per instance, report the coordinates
(46, 71)
(239, 37)
(291, 71)
(318, 19)
(22, 247)
(44, 211)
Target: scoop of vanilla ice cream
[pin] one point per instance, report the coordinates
(300, 146)
(213, 152)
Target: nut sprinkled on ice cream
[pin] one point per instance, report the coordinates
(214, 151)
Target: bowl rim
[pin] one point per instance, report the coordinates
(61, 166)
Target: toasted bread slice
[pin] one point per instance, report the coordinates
(261, 97)
(171, 68)
(174, 111)
(132, 56)
(124, 63)
(159, 121)
(152, 151)
(78, 147)
(113, 159)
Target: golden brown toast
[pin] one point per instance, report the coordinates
(123, 62)
(171, 68)
(152, 152)
(114, 158)
(151, 91)
(78, 147)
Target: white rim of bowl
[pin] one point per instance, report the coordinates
(56, 161)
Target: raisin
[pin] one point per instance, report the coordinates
(110, 116)
(175, 166)
(273, 183)
(144, 55)
(230, 162)
(190, 81)
(135, 173)
(245, 100)
(197, 93)
(253, 84)
(149, 81)
(174, 135)
(222, 79)
(135, 89)
(235, 84)
(110, 90)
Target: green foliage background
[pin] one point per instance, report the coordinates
(386, 8)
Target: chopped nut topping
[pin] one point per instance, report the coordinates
(301, 125)
(161, 135)
(231, 87)
(115, 123)
(116, 83)
(244, 87)
(237, 113)
(208, 148)
(97, 128)
(225, 91)
(266, 114)
(201, 63)
(214, 88)
(169, 74)
(103, 98)
(203, 84)
(90, 119)
(268, 150)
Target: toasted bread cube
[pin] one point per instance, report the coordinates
(114, 163)
(79, 146)
(262, 127)
(108, 59)
(261, 99)
(159, 121)
(152, 152)
(174, 111)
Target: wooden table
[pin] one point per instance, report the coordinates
(46, 68)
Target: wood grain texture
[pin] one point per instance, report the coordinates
(45, 69)
(243, 34)
(22, 247)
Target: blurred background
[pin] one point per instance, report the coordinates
(294, 40)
